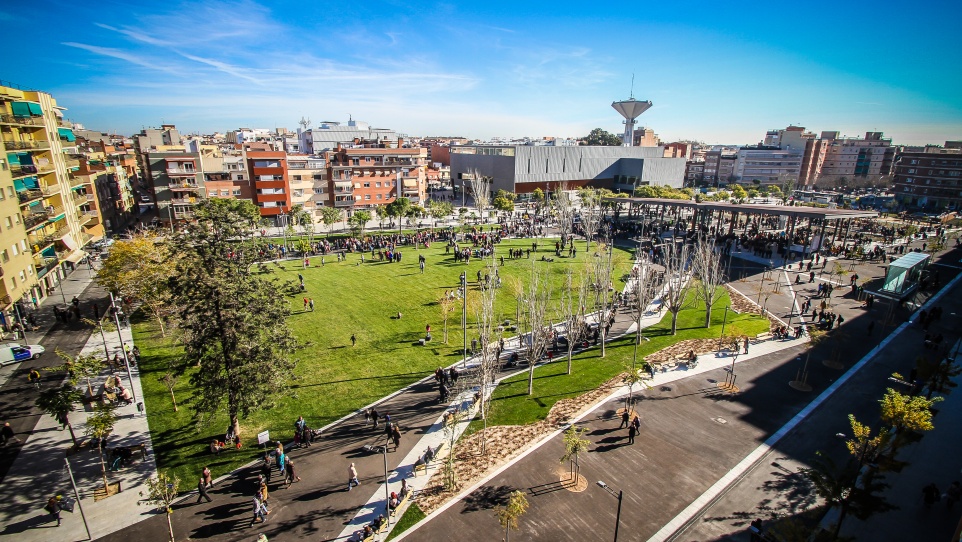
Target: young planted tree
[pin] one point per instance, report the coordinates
(481, 192)
(99, 426)
(591, 216)
(358, 222)
(643, 284)
(537, 327)
(572, 300)
(439, 210)
(331, 216)
(235, 324)
(504, 201)
(905, 413)
(564, 210)
(161, 493)
(59, 403)
(602, 267)
(575, 445)
(139, 268)
(81, 367)
(678, 282)
(447, 306)
(707, 269)
(509, 515)
(170, 382)
(487, 319)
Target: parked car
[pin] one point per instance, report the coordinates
(17, 353)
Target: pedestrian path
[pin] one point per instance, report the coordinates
(39, 470)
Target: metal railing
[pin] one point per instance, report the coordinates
(26, 121)
(27, 145)
(31, 194)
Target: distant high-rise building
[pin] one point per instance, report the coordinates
(870, 156)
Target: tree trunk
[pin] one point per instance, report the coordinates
(73, 437)
(707, 315)
(103, 467)
(163, 329)
(170, 526)
(173, 399)
(530, 377)
(569, 354)
(674, 322)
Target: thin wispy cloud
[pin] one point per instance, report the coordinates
(122, 55)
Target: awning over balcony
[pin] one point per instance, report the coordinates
(68, 240)
(26, 109)
(410, 183)
(76, 256)
(343, 184)
(66, 134)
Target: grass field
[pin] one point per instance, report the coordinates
(333, 378)
(511, 404)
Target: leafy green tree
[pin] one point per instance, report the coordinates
(504, 203)
(80, 367)
(235, 323)
(358, 221)
(330, 216)
(99, 426)
(738, 192)
(161, 493)
(509, 515)
(906, 413)
(59, 402)
(602, 137)
(398, 209)
(646, 191)
(440, 209)
(138, 268)
(575, 445)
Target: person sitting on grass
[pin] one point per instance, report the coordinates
(216, 447)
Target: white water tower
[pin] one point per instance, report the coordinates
(631, 109)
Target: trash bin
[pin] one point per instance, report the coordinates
(140, 406)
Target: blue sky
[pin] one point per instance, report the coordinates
(720, 73)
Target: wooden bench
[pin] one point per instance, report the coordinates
(763, 337)
(371, 537)
(402, 502)
(421, 464)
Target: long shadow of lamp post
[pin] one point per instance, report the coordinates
(619, 496)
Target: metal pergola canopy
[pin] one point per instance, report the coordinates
(774, 210)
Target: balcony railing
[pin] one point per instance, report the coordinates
(26, 121)
(39, 242)
(184, 186)
(85, 238)
(83, 218)
(183, 214)
(72, 163)
(183, 201)
(50, 189)
(79, 199)
(344, 203)
(34, 220)
(54, 212)
(26, 145)
(180, 171)
(29, 195)
(78, 181)
(44, 265)
(23, 171)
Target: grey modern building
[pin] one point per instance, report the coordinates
(522, 169)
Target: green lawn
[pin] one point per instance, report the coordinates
(332, 378)
(411, 516)
(511, 404)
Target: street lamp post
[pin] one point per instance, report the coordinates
(464, 318)
(130, 377)
(620, 494)
(387, 494)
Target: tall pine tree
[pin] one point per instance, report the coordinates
(234, 322)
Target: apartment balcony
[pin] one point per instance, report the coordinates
(179, 171)
(183, 201)
(29, 196)
(185, 187)
(90, 197)
(51, 189)
(85, 238)
(76, 182)
(23, 171)
(79, 199)
(55, 213)
(182, 215)
(344, 202)
(32, 145)
(21, 121)
(35, 220)
(43, 265)
(39, 243)
(72, 163)
(86, 216)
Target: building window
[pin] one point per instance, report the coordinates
(379, 196)
(367, 185)
(367, 196)
(377, 184)
(225, 192)
(237, 192)
(5, 255)
(9, 222)
(16, 251)
(297, 177)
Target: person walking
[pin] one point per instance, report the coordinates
(953, 494)
(636, 423)
(396, 437)
(930, 494)
(625, 417)
(260, 511)
(208, 480)
(374, 417)
(352, 477)
(202, 490)
(289, 468)
(266, 469)
(747, 342)
(353, 340)
(33, 377)
(631, 434)
(7, 434)
(310, 303)
(53, 507)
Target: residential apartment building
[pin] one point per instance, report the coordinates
(929, 179)
(178, 182)
(368, 177)
(719, 168)
(870, 156)
(764, 165)
(42, 218)
(270, 184)
(694, 173)
(796, 139)
(330, 134)
(308, 181)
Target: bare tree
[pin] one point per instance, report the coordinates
(481, 189)
(537, 328)
(643, 287)
(602, 265)
(675, 297)
(706, 267)
(590, 213)
(447, 304)
(572, 299)
(487, 329)
(564, 212)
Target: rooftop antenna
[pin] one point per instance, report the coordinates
(631, 94)
(305, 123)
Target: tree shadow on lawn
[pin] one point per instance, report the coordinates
(376, 377)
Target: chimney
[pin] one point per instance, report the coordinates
(400, 142)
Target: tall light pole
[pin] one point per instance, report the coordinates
(387, 494)
(76, 495)
(464, 318)
(620, 494)
(116, 311)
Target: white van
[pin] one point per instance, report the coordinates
(15, 353)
